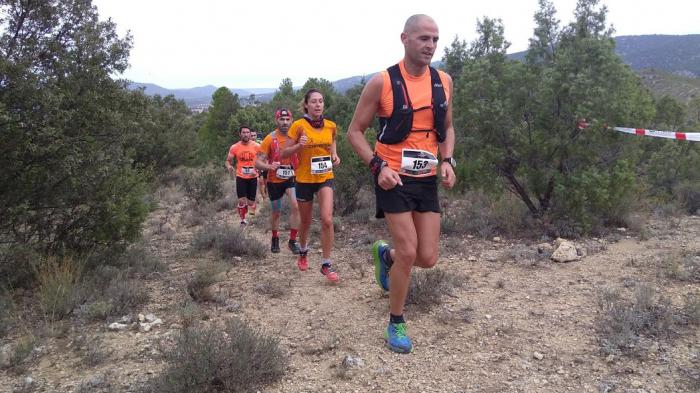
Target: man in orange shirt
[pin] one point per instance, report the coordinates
(280, 179)
(413, 103)
(245, 173)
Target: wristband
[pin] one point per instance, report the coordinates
(376, 165)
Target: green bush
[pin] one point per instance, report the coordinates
(204, 184)
(596, 198)
(239, 359)
(18, 264)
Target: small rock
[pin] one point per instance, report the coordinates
(29, 384)
(142, 318)
(566, 252)
(559, 241)
(126, 319)
(497, 239)
(118, 326)
(353, 362)
(622, 229)
(96, 381)
(472, 259)
(581, 252)
(610, 358)
(636, 384)
(538, 355)
(150, 318)
(543, 248)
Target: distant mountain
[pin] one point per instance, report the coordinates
(663, 83)
(667, 54)
(197, 95)
(679, 54)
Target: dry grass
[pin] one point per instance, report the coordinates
(58, 280)
(238, 359)
(428, 288)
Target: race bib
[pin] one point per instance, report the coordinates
(417, 162)
(321, 165)
(248, 170)
(285, 172)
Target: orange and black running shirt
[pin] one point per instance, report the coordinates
(273, 151)
(416, 155)
(245, 154)
(315, 163)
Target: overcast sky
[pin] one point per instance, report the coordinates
(257, 43)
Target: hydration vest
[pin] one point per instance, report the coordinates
(395, 129)
(276, 152)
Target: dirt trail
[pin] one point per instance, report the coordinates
(520, 323)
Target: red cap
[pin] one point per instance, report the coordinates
(282, 112)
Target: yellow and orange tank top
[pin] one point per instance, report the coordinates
(420, 92)
(245, 155)
(315, 164)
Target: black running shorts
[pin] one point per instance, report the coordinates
(246, 188)
(306, 191)
(418, 194)
(277, 190)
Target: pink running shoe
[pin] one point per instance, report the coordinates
(302, 262)
(328, 271)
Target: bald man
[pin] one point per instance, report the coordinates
(413, 103)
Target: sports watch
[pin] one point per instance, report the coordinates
(450, 161)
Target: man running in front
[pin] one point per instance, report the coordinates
(413, 103)
(245, 173)
(280, 179)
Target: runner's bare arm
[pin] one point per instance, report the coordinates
(229, 165)
(447, 147)
(261, 162)
(364, 114)
(334, 153)
(293, 146)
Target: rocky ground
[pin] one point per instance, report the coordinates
(515, 321)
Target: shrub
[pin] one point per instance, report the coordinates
(688, 195)
(58, 287)
(428, 288)
(125, 295)
(239, 359)
(204, 184)
(691, 309)
(228, 241)
(272, 288)
(199, 286)
(622, 325)
(18, 264)
(683, 266)
(6, 308)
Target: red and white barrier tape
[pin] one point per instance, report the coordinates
(684, 136)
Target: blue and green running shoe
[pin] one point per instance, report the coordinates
(381, 268)
(396, 338)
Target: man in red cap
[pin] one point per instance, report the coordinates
(280, 179)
